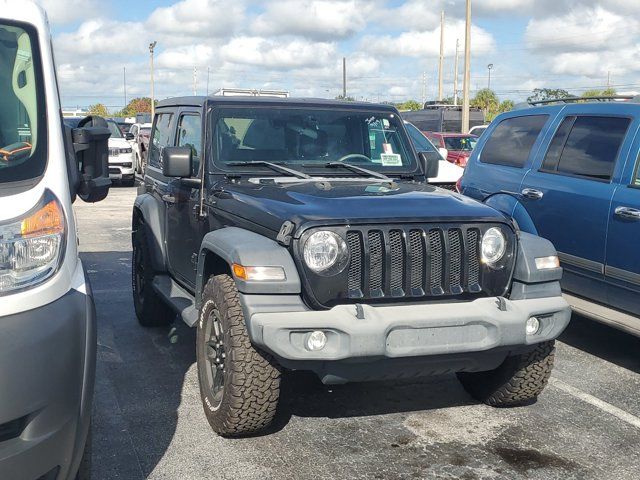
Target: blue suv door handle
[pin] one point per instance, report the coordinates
(628, 213)
(532, 193)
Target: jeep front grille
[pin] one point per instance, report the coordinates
(413, 262)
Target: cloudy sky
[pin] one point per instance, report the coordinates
(298, 45)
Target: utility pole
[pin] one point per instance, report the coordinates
(424, 88)
(195, 81)
(152, 46)
(344, 78)
(489, 67)
(124, 83)
(467, 70)
(441, 64)
(208, 71)
(608, 79)
(455, 75)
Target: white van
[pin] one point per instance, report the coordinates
(47, 318)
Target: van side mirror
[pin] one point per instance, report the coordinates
(431, 163)
(177, 162)
(129, 136)
(91, 149)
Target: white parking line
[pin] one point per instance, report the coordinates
(596, 402)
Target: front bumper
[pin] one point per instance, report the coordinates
(407, 330)
(47, 371)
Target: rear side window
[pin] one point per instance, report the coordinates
(511, 141)
(586, 146)
(160, 138)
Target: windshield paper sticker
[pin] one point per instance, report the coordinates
(387, 148)
(391, 160)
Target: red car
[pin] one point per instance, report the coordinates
(459, 145)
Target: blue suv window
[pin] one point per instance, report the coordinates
(511, 141)
(586, 146)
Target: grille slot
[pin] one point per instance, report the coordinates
(354, 241)
(396, 245)
(376, 260)
(429, 261)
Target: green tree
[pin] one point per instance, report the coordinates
(99, 110)
(592, 93)
(540, 94)
(137, 105)
(609, 92)
(486, 100)
(409, 105)
(506, 106)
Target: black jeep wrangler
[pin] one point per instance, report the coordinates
(301, 234)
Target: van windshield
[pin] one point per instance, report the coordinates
(22, 124)
(308, 138)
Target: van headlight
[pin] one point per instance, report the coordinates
(325, 253)
(493, 247)
(31, 247)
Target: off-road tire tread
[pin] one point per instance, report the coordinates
(518, 380)
(153, 312)
(252, 383)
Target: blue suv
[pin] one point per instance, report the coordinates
(570, 173)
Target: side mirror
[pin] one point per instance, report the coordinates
(90, 142)
(177, 162)
(431, 163)
(444, 152)
(129, 136)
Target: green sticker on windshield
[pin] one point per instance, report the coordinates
(391, 160)
(372, 140)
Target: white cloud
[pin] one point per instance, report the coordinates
(67, 11)
(197, 18)
(264, 52)
(100, 37)
(427, 43)
(319, 19)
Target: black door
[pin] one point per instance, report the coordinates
(184, 229)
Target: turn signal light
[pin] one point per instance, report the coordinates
(259, 274)
(46, 221)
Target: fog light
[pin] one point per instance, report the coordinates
(316, 341)
(533, 326)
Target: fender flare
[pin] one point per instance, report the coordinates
(511, 206)
(244, 247)
(151, 215)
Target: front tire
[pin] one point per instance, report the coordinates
(518, 381)
(239, 385)
(149, 306)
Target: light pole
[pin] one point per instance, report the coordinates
(467, 70)
(489, 67)
(152, 46)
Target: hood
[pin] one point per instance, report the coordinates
(118, 143)
(346, 201)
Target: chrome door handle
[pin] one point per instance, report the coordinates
(169, 199)
(532, 193)
(628, 213)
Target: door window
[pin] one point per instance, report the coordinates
(636, 177)
(190, 134)
(511, 142)
(160, 138)
(586, 146)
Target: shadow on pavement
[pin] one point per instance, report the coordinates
(605, 342)
(142, 381)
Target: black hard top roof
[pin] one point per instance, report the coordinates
(198, 101)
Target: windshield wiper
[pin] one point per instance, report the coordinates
(273, 166)
(360, 170)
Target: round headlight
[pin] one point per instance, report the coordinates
(493, 246)
(326, 253)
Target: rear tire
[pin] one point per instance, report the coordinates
(519, 380)
(239, 385)
(149, 306)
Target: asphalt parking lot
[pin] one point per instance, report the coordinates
(149, 422)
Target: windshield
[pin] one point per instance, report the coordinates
(422, 143)
(308, 138)
(114, 129)
(22, 115)
(464, 144)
